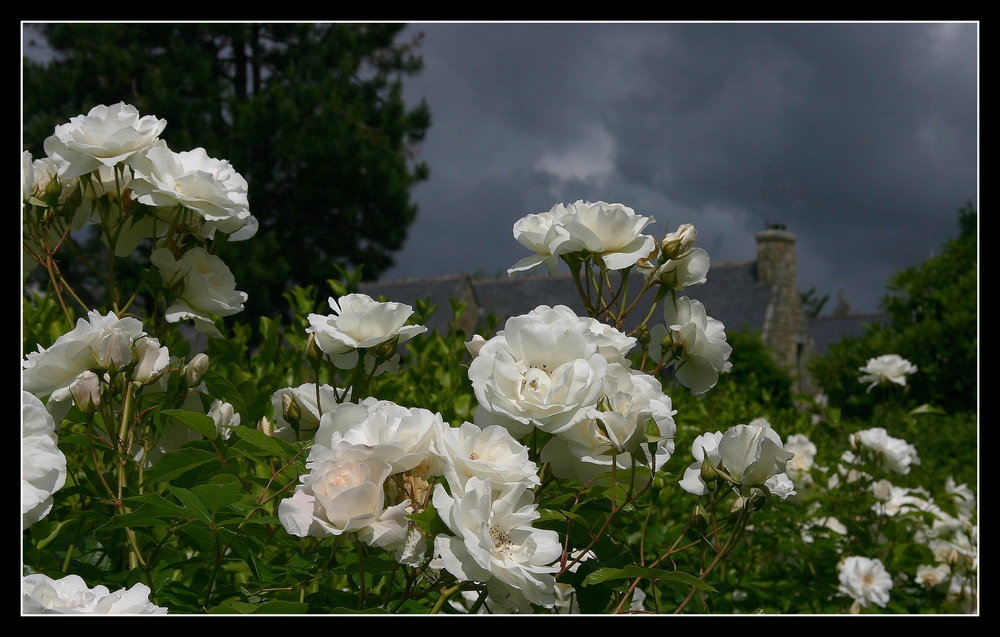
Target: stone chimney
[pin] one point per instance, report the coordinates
(786, 329)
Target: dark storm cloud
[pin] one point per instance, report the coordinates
(862, 138)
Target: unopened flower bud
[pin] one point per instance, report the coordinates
(195, 370)
(882, 490)
(313, 352)
(700, 517)
(86, 392)
(386, 350)
(680, 241)
(290, 411)
(643, 336)
(265, 426)
(667, 342)
(708, 472)
(152, 360)
(475, 345)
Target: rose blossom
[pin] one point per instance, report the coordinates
(615, 429)
(865, 580)
(71, 595)
(889, 368)
(894, 454)
(543, 234)
(611, 231)
(341, 495)
(704, 352)
(43, 465)
(544, 369)
(380, 429)
(360, 322)
(208, 186)
(106, 136)
(491, 452)
(208, 288)
(754, 456)
(99, 342)
(494, 542)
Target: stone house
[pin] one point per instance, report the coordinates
(760, 295)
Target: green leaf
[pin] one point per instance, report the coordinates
(221, 490)
(633, 571)
(260, 440)
(199, 422)
(430, 522)
(176, 463)
(192, 503)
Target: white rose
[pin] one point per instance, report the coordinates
(225, 418)
(43, 465)
(380, 429)
(71, 595)
(702, 340)
(704, 446)
(894, 454)
(753, 454)
(208, 287)
(680, 241)
(544, 235)
(491, 452)
(865, 580)
(612, 231)
(494, 542)
(690, 268)
(616, 426)
(543, 369)
(890, 368)
(359, 322)
(341, 495)
(106, 136)
(153, 360)
(98, 342)
(209, 186)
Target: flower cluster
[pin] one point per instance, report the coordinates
(181, 200)
(562, 374)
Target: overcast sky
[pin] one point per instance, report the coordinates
(861, 138)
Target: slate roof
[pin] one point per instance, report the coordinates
(730, 295)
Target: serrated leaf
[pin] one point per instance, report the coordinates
(199, 422)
